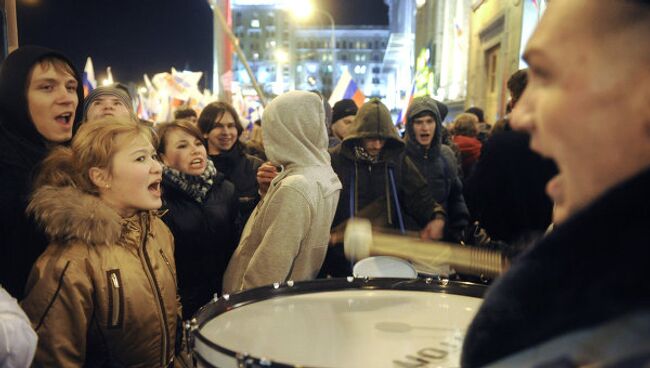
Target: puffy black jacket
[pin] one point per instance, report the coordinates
(240, 169)
(205, 235)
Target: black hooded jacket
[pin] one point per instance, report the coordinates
(438, 166)
(241, 170)
(205, 235)
(22, 149)
(390, 192)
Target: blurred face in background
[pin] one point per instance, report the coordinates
(107, 105)
(340, 127)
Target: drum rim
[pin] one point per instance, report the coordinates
(241, 299)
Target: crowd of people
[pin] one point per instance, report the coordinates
(115, 231)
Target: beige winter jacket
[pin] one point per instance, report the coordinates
(286, 237)
(104, 291)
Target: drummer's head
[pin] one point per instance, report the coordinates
(587, 104)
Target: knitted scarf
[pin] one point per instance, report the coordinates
(196, 186)
(362, 154)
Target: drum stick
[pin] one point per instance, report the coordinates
(360, 242)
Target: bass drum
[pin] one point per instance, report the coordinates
(337, 323)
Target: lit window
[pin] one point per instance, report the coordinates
(255, 23)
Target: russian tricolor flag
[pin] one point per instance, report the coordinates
(88, 79)
(347, 88)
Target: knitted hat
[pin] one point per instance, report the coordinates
(342, 109)
(113, 91)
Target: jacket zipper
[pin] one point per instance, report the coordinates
(156, 290)
(169, 265)
(116, 301)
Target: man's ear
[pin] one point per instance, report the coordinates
(100, 177)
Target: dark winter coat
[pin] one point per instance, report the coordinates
(590, 270)
(22, 149)
(438, 166)
(241, 170)
(368, 189)
(205, 235)
(506, 192)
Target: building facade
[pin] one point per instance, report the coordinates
(499, 32)
(284, 54)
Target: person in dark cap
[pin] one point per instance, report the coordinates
(108, 101)
(343, 114)
(40, 91)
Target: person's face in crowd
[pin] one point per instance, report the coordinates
(52, 100)
(373, 145)
(587, 101)
(184, 152)
(223, 135)
(192, 119)
(424, 128)
(132, 183)
(340, 127)
(107, 105)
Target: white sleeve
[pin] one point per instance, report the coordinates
(17, 338)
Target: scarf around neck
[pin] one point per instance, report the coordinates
(196, 186)
(362, 154)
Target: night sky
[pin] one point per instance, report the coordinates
(147, 36)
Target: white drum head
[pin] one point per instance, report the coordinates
(384, 266)
(345, 328)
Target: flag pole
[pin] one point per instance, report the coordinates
(235, 42)
(11, 24)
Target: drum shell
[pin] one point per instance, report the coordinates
(210, 354)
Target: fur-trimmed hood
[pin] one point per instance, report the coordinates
(67, 213)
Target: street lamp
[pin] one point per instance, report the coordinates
(302, 10)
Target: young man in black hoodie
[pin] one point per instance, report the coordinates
(580, 296)
(436, 162)
(40, 93)
(221, 127)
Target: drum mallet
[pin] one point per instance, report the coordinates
(360, 242)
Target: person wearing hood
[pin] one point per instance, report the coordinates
(380, 183)
(40, 92)
(287, 235)
(222, 128)
(436, 162)
(105, 101)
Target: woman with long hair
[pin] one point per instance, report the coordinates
(104, 291)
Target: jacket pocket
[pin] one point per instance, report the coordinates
(169, 265)
(115, 299)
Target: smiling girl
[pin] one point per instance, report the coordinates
(104, 291)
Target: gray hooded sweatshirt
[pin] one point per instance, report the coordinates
(287, 235)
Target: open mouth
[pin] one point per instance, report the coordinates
(64, 119)
(154, 188)
(197, 163)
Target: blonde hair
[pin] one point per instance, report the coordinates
(466, 124)
(94, 145)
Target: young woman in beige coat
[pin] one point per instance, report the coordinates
(104, 291)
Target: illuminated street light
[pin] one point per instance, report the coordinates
(281, 56)
(302, 10)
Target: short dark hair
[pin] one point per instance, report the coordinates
(478, 112)
(517, 84)
(214, 111)
(185, 113)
